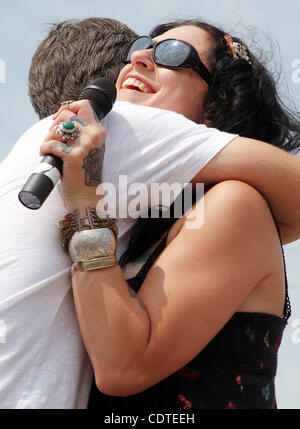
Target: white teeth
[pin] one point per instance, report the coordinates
(134, 82)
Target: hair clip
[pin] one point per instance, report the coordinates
(236, 49)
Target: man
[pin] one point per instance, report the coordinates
(43, 363)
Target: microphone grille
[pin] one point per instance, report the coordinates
(102, 94)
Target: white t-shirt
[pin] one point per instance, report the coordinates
(43, 363)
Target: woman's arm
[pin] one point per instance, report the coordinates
(199, 281)
(272, 171)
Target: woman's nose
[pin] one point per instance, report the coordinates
(143, 58)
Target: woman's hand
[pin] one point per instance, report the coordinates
(82, 157)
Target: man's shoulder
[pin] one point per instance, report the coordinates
(150, 122)
(142, 113)
(33, 137)
(38, 129)
(25, 152)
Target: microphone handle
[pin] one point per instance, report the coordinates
(41, 182)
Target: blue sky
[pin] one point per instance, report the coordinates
(23, 26)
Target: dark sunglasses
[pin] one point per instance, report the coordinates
(170, 53)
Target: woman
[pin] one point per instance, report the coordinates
(212, 301)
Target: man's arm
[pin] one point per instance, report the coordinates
(272, 171)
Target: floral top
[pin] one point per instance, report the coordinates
(236, 370)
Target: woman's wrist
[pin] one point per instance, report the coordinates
(90, 240)
(80, 202)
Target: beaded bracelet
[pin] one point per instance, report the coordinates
(72, 223)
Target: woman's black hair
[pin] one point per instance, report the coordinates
(242, 99)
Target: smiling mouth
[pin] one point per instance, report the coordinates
(136, 85)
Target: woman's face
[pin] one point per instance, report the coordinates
(182, 91)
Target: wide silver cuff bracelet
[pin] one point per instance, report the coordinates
(97, 263)
(92, 243)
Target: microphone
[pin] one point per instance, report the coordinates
(101, 94)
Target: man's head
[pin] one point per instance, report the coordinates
(73, 54)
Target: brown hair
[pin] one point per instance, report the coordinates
(73, 54)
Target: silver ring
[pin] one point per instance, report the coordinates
(67, 103)
(67, 130)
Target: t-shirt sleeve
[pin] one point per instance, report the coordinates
(169, 147)
(186, 152)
